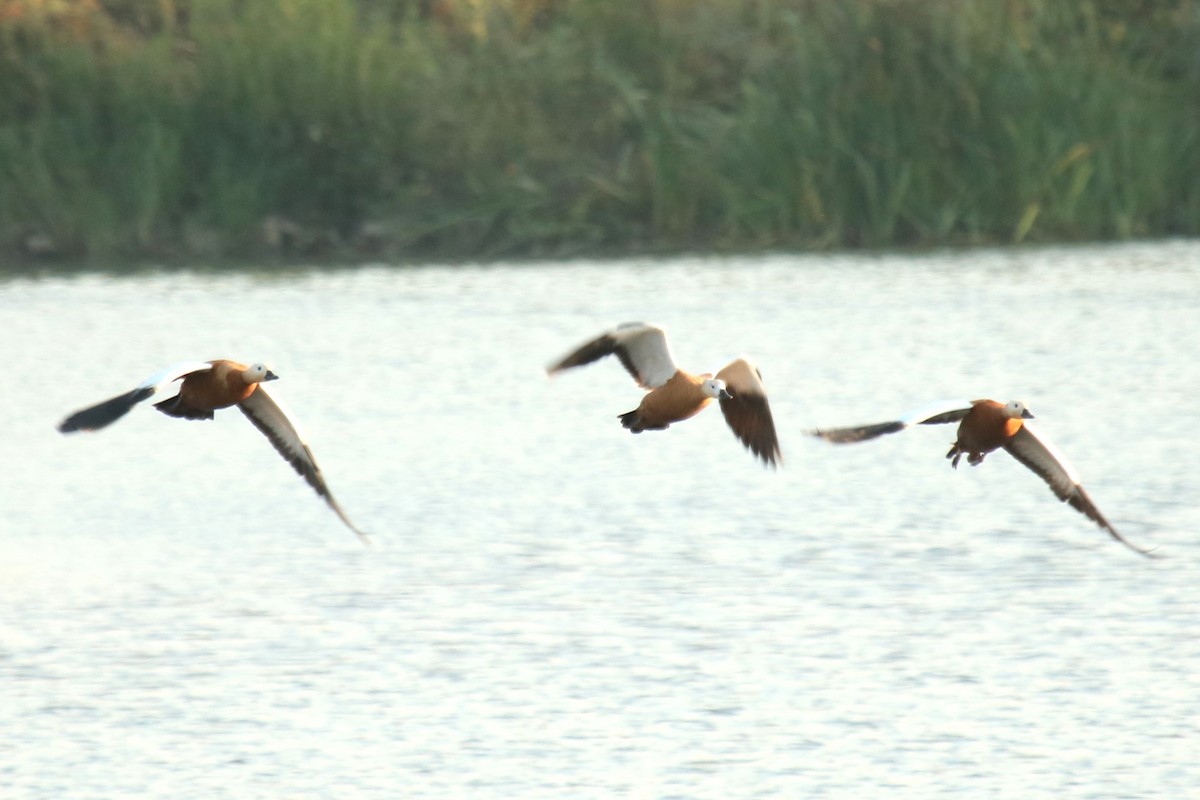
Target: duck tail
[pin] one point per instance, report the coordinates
(636, 424)
(174, 407)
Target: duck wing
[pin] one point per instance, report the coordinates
(939, 413)
(101, 415)
(747, 411)
(270, 418)
(642, 349)
(1037, 453)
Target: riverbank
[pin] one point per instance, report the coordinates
(341, 129)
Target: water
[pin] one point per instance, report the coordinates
(556, 609)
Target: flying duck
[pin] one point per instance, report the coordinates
(984, 426)
(208, 386)
(675, 395)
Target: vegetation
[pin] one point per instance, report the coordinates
(480, 128)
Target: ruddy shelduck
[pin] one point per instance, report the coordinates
(675, 395)
(987, 425)
(208, 386)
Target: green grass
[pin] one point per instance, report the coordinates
(206, 128)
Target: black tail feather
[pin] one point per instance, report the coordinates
(634, 422)
(173, 408)
(630, 420)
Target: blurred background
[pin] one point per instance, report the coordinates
(421, 129)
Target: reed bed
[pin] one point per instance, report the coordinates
(493, 128)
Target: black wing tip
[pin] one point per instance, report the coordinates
(335, 506)
(316, 481)
(760, 438)
(772, 460)
(1081, 501)
(860, 433)
(769, 454)
(561, 365)
(363, 538)
(586, 353)
(104, 414)
(1147, 552)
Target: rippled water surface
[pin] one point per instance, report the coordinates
(556, 609)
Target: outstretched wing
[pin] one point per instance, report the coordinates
(1036, 452)
(269, 417)
(642, 348)
(748, 413)
(104, 414)
(934, 414)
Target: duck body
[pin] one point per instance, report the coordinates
(987, 426)
(682, 397)
(203, 392)
(206, 387)
(673, 395)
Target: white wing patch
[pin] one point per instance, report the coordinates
(742, 377)
(648, 351)
(747, 411)
(161, 379)
(931, 410)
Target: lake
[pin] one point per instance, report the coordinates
(553, 608)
